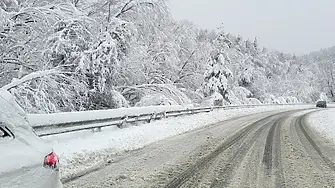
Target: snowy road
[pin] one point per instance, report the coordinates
(262, 150)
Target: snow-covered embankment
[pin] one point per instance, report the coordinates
(324, 122)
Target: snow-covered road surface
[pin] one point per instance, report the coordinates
(262, 150)
(82, 152)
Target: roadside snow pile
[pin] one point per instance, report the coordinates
(83, 151)
(324, 122)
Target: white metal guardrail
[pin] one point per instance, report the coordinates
(62, 126)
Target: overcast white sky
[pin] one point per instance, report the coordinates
(295, 26)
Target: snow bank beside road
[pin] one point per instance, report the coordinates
(82, 151)
(324, 122)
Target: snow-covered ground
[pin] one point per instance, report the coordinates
(85, 150)
(324, 122)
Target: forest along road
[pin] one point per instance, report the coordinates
(273, 149)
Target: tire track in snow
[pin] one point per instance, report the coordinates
(188, 173)
(302, 126)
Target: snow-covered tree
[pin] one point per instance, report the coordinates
(65, 55)
(217, 76)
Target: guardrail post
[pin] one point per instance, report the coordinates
(164, 114)
(192, 111)
(123, 121)
(160, 115)
(97, 129)
(153, 115)
(137, 120)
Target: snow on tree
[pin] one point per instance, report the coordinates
(195, 96)
(109, 99)
(47, 91)
(111, 54)
(292, 100)
(281, 100)
(216, 76)
(70, 38)
(323, 97)
(268, 99)
(9, 5)
(252, 101)
(232, 98)
(155, 100)
(242, 94)
(215, 99)
(193, 73)
(166, 92)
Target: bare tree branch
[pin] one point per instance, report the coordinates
(187, 61)
(124, 9)
(182, 77)
(15, 62)
(183, 67)
(109, 11)
(96, 10)
(75, 2)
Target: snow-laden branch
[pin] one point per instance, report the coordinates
(31, 76)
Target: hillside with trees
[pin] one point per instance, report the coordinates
(75, 55)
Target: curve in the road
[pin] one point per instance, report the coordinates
(261, 150)
(269, 132)
(237, 140)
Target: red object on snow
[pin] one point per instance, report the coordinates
(51, 161)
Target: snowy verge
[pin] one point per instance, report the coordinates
(324, 122)
(84, 151)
